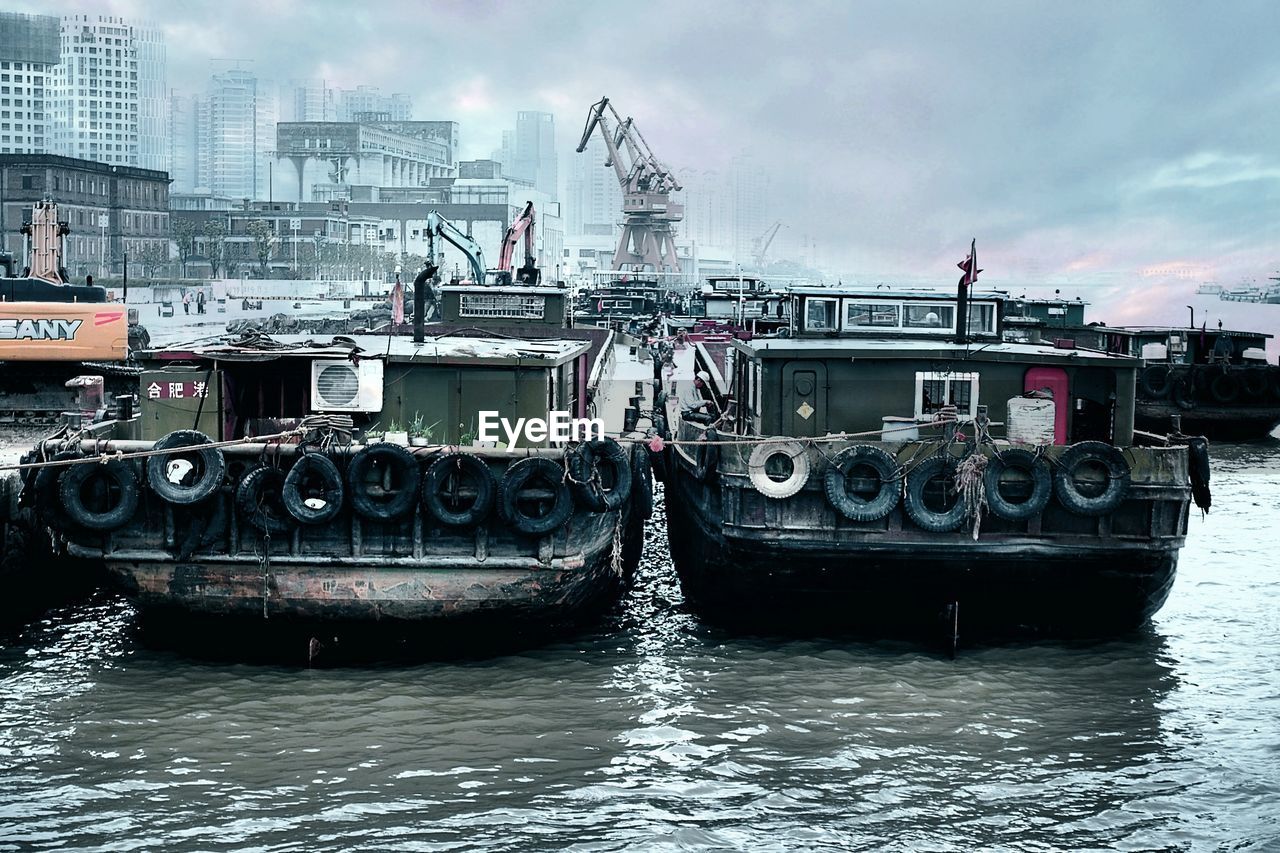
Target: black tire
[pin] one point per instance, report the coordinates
(553, 502)
(1183, 390)
(114, 480)
(850, 502)
(1155, 382)
(397, 494)
(641, 480)
(1224, 388)
(706, 456)
(449, 499)
(1198, 469)
(309, 468)
(1037, 471)
(209, 466)
(1092, 502)
(601, 475)
(1254, 383)
(48, 501)
(940, 467)
(259, 502)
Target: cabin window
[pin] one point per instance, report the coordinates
(982, 319)
(935, 390)
(866, 315)
(502, 305)
(929, 315)
(820, 314)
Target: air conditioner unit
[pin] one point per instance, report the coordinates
(339, 385)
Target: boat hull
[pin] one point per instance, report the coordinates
(1221, 423)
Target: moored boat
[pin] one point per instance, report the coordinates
(888, 468)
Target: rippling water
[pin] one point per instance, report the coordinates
(657, 733)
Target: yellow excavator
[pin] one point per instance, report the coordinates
(52, 331)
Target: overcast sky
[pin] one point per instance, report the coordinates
(1081, 143)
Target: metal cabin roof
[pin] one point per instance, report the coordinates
(1148, 330)
(398, 349)
(925, 349)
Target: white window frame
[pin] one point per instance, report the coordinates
(835, 312)
(923, 376)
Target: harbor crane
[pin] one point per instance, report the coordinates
(523, 225)
(763, 242)
(648, 213)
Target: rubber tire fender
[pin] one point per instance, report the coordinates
(519, 475)
(72, 481)
(641, 480)
(706, 456)
(405, 466)
(433, 483)
(584, 464)
(1182, 390)
(766, 485)
(913, 496)
(48, 501)
(1198, 469)
(1155, 383)
(852, 507)
(212, 461)
(251, 500)
(1254, 383)
(1224, 388)
(1041, 484)
(313, 465)
(1118, 473)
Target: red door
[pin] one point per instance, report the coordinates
(1054, 381)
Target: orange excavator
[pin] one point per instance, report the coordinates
(52, 332)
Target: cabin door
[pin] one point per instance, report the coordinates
(804, 398)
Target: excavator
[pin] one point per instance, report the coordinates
(529, 273)
(55, 334)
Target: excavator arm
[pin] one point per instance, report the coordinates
(522, 226)
(438, 226)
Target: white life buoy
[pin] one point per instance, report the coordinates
(770, 487)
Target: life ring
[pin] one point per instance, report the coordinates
(48, 502)
(114, 482)
(1183, 390)
(1224, 388)
(641, 480)
(706, 455)
(1255, 383)
(189, 476)
(458, 490)
(758, 468)
(383, 480)
(300, 495)
(1092, 501)
(601, 475)
(939, 467)
(1036, 469)
(1154, 382)
(1198, 471)
(854, 466)
(536, 484)
(258, 500)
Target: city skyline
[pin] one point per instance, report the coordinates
(1088, 146)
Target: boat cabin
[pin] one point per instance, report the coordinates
(505, 305)
(744, 301)
(1181, 345)
(620, 301)
(432, 390)
(862, 362)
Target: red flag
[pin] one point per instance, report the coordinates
(970, 265)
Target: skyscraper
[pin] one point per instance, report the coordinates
(363, 101)
(534, 157)
(183, 145)
(235, 136)
(28, 53)
(593, 199)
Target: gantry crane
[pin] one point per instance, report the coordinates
(648, 214)
(523, 225)
(763, 242)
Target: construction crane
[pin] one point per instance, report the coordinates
(522, 226)
(763, 242)
(438, 226)
(648, 214)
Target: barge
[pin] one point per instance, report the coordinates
(889, 469)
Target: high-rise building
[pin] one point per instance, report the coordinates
(29, 50)
(235, 133)
(534, 157)
(593, 202)
(362, 102)
(183, 143)
(308, 100)
(107, 93)
(750, 187)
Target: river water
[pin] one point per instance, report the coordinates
(657, 733)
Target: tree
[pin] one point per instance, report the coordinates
(184, 234)
(215, 244)
(264, 242)
(151, 256)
